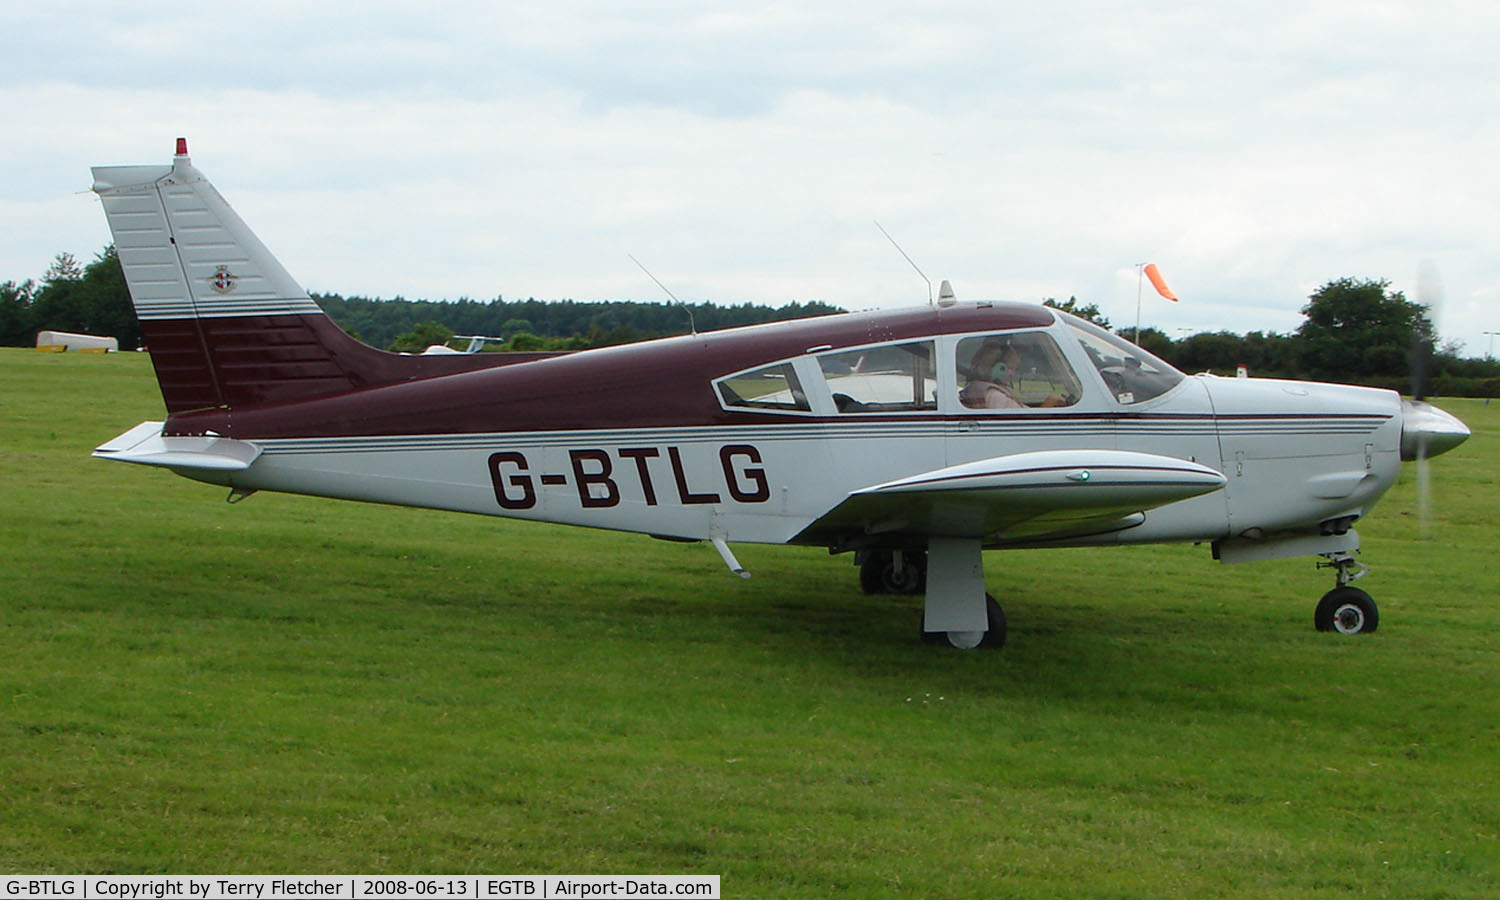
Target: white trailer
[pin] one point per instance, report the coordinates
(58, 341)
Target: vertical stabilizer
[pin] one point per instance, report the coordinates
(195, 272)
(226, 325)
(186, 253)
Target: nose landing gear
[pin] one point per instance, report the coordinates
(1346, 609)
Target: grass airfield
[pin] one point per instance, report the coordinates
(294, 685)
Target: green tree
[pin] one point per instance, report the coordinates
(1271, 355)
(16, 319)
(104, 300)
(1152, 340)
(53, 305)
(526, 342)
(91, 299)
(1357, 328)
(1218, 351)
(422, 336)
(64, 267)
(515, 326)
(1071, 305)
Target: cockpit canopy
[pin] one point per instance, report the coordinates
(1015, 369)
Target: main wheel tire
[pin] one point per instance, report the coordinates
(878, 575)
(991, 639)
(1346, 610)
(994, 639)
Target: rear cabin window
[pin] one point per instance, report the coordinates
(773, 387)
(893, 378)
(1014, 371)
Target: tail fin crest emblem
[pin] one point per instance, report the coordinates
(223, 281)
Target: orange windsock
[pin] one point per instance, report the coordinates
(1158, 283)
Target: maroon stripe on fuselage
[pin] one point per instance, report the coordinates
(248, 361)
(662, 383)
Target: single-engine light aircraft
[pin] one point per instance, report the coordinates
(913, 439)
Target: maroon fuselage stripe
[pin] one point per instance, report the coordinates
(242, 361)
(300, 376)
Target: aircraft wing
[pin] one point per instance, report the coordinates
(1022, 497)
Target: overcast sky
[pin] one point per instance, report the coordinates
(743, 152)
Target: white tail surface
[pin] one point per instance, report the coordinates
(185, 252)
(225, 324)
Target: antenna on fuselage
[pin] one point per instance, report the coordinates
(692, 326)
(907, 258)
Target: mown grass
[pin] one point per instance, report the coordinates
(298, 685)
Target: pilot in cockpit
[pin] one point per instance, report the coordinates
(994, 379)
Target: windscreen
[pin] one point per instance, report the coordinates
(1132, 374)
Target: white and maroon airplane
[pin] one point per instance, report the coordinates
(914, 438)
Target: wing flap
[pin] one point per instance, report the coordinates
(146, 445)
(1024, 496)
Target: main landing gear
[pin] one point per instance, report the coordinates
(892, 571)
(992, 638)
(957, 610)
(1346, 609)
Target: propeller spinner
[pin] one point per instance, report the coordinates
(1427, 431)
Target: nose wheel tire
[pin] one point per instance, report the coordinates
(1347, 610)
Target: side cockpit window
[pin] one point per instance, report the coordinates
(1014, 371)
(893, 378)
(771, 388)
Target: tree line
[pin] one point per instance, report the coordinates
(412, 325)
(1354, 330)
(89, 299)
(93, 299)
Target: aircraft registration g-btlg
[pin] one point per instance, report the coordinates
(914, 439)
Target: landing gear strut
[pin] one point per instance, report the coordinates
(956, 608)
(1346, 609)
(991, 639)
(956, 611)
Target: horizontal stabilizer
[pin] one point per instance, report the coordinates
(1024, 496)
(146, 445)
